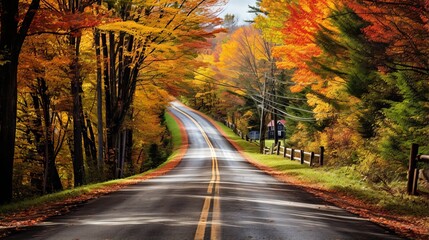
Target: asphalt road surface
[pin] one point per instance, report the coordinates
(212, 194)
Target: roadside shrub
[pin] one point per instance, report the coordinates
(379, 170)
(341, 143)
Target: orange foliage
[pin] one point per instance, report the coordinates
(299, 40)
(55, 17)
(403, 25)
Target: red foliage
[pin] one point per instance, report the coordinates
(403, 25)
(304, 21)
(55, 19)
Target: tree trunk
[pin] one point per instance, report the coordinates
(262, 132)
(78, 167)
(276, 127)
(11, 40)
(91, 139)
(99, 102)
(123, 153)
(52, 181)
(112, 132)
(8, 95)
(128, 157)
(8, 101)
(120, 71)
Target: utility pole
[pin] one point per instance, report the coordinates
(262, 122)
(274, 95)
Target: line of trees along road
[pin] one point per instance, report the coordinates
(352, 76)
(84, 85)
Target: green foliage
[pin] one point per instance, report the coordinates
(407, 121)
(389, 110)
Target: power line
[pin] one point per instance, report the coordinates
(288, 106)
(215, 83)
(288, 115)
(291, 82)
(270, 102)
(285, 97)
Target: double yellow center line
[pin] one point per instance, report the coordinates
(212, 192)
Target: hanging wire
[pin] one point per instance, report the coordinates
(291, 107)
(270, 107)
(216, 81)
(285, 97)
(273, 105)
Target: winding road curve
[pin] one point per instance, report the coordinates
(212, 194)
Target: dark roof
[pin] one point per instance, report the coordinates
(271, 124)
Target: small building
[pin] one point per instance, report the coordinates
(281, 127)
(253, 135)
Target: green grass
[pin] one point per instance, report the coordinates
(174, 129)
(79, 191)
(345, 180)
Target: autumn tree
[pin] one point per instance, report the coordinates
(270, 17)
(43, 93)
(14, 26)
(68, 19)
(400, 26)
(151, 143)
(246, 58)
(150, 32)
(230, 22)
(362, 65)
(299, 46)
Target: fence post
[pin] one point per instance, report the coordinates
(302, 156)
(411, 167)
(292, 151)
(311, 158)
(278, 147)
(322, 153)
(415, 181)
(272, 149)
(285, 152)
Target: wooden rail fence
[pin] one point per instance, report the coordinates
(309, 158)
(413, 170)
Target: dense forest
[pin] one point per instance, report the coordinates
(84, 84)
(352, 76)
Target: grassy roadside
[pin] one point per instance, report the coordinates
(346, 188)
(174, 129)
(89, 191)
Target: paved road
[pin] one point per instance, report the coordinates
(213, 194)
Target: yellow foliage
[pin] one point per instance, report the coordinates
(271, 26)
(149, 104)
(245, 58)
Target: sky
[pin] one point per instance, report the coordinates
(239, 8)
